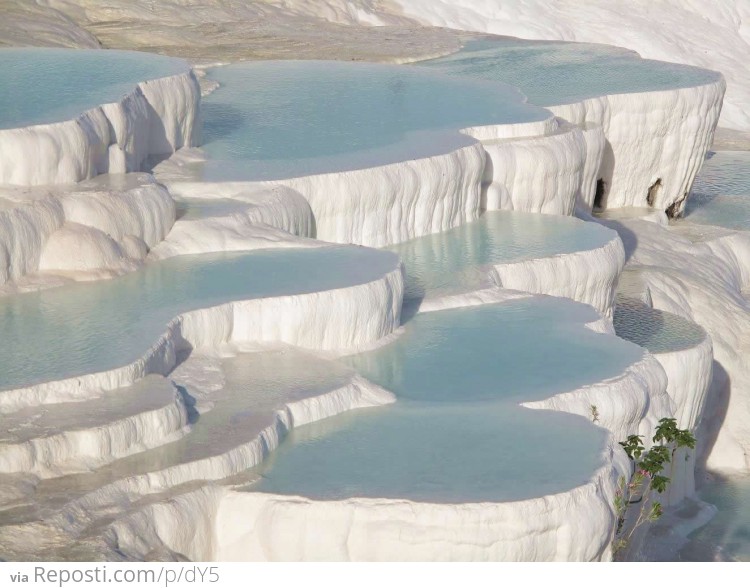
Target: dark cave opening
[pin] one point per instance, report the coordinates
(601, 190)
(653, 192)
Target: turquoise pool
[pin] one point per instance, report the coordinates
(457, 432)
(551, 73)
(84, 328)
(80, 78)
(458, 260)
(721, 192)
(265, 121)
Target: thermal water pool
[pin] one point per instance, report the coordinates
(84, 328)
(457, 432)
(726, 537)
(721, 192)
(225, 421)
(459, 260)
(265, 121)
(551, 73)
(655, 330)
(81, 79)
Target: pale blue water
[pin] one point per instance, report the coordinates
(721, 192)
(457, 433)
(519, 350)
(288, 118)
(434, 453)
(458, 260)
(551, 73)
(41, 85)
(89, 327)
(656, 330)
(727, 536)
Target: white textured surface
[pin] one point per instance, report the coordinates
(651, 136)
(392, 203)
(586, 276)
(363, 314)
(358, 393)
(575, 525)
(544, 173)
(80, 229)
(156, 118)
(689, 378)
(93, 442)
(374, 206)
(689, 373)
(264, 217)
(712, 35)
(137, 529)
(703, 282)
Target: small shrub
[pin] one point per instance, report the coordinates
(648, 476)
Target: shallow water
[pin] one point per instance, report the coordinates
(551, 73)
(434, 453)
(256, 385)
(520, 350)
(84, 328)
(81, 79)
(457, 432)
(252, 388)
(656, 330)
(458, 260)
(727, 536)
(282, 119)
(721, 192)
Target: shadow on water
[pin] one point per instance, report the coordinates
(221, 120)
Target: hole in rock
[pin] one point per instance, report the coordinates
(676, 209)
(601, 190)
(653, 192)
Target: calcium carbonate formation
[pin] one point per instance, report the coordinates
(141, 441)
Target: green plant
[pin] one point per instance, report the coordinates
(648, 476)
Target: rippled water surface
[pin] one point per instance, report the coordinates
(721, 192)
(657, 331)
